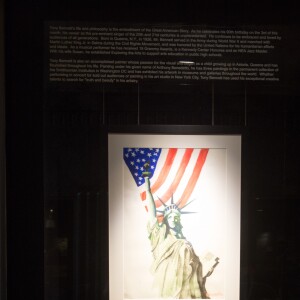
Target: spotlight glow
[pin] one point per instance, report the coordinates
(186, 62)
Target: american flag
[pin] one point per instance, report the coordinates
(174, 171)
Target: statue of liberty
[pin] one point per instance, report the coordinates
(176, 268)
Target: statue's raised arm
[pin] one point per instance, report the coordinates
(149, 196)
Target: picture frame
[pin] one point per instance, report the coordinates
(212, 227)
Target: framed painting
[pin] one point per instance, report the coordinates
(174, 216)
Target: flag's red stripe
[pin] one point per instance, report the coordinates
(179, 174)
(163, 173)
(194, 177)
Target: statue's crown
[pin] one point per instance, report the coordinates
(173, 207)
(170, 208)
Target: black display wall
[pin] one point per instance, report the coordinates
(56, 148)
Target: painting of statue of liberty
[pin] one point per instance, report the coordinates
(178, 192)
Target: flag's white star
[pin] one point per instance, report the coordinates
(132, 163)
(133, 154)
(149, 154)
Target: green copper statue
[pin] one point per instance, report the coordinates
(176, 268)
